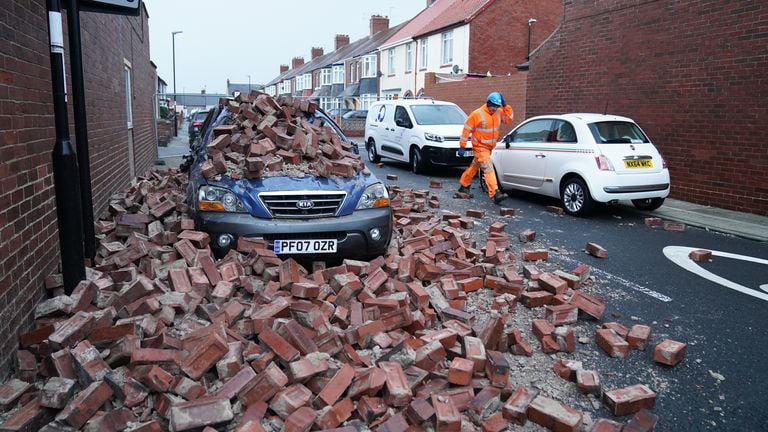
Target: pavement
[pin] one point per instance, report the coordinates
(746, 225)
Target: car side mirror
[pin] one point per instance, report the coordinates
(402, 123)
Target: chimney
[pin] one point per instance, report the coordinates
(316, 52)
(342, 40)
(283, 68)
(297, 62)
(430, 2)
(379, 23)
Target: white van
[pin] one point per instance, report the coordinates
(421, 132)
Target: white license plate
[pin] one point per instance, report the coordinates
(304, 246)
(467, 153)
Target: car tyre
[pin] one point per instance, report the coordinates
(417, 163)
(648, 204)
(373, 156)
(575, 197)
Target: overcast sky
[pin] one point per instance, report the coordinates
(235, 38)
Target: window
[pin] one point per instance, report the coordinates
(366, 100)
(408, 57)
(447, 38)
(402, 118)
(369, 66)
(617, 132)
(326, 103)
(353, 72)
(391, 61)
(423, 53)
(307, 81)
(535, 131)
(338, 74)
(564, 132)
(128, 95)
(325, 76)
(435, 114)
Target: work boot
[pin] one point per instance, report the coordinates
(499, 197)
(465, 189)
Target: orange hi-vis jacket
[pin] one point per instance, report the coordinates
(484, 127)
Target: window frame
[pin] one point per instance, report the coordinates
(423, 53)
(337, 74)
(391, 61)
(369, 66)
(325, 76)
(409, 57)
(446, 39)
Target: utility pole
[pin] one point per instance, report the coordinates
(175, 120)
(65, 173)
(530, 26)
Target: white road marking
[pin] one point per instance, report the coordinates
(629, 284)
(679, 256)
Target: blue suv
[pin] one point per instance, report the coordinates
(298, 215)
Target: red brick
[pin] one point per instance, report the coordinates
(669, 352)
(191, 390)
(150, 426)
(30, 417)
(629, 400)
(266, 385)
(116, 420)
(395, 423)
(199, 413)
(592, 306)
(369, 383)
(596, 250)
(533, 299)
(620, 329)
(605, 425)
(494, 423)
(300, 420)
(11, 391)
(370, 408)
(553, 415)
(72, 331)
(461, 371)
(397, 392)
(154, 377)
(429, 355)
(57, 392)
(284, 350)
(561, 314)
(612, 343)
(588, 381)
(335, 387)
(642, 421)
(204, 356)
(541, 328)
(535, 255)
(290, 399)
(447, 417)
(638, 337)
(85, 404)
(506, 211)
(475, 350)
(552, 283)
(497, 369)
(565, 338)
(88, 363)
(567, 368)
(674, 226)
(700, 255)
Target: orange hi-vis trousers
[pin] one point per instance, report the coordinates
(482, 160)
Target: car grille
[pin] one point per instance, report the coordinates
(451, 138)
(286, 205)
(338, 235)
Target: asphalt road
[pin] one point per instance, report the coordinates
(722, 382)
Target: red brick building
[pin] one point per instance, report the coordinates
(29, 243)
(692, 73)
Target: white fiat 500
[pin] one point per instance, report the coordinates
(583, 159)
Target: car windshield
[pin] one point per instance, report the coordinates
(617, 132)
(430, 114)
(200, 116)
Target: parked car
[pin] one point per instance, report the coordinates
(302, 216)
(355, 114)
(195, 124)
(583, 159)
(336, 112)
(421, 132)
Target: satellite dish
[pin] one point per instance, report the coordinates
(456, 69)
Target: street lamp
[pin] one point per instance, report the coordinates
(530, 25)
(175, 122)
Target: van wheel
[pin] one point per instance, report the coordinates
(372, 155)
(417, 164)
(575, 197)
(648, 204)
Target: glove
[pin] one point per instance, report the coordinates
(503, 102)
(460, 152)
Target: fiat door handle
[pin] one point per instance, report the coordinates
(540, 156)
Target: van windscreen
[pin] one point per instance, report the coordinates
(429, 114)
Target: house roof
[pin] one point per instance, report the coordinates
(441, 14)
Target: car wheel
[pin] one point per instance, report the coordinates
(648, 204)
(372, 155)
(417, 164)
(575, 197)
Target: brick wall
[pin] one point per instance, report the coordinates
(28, 233)
(470, 94)
(691, 73)
(498, 36)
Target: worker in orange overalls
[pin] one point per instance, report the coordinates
(483, 125)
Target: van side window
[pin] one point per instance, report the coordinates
(535, 131)
(402, 118)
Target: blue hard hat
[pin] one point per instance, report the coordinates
(496, 98)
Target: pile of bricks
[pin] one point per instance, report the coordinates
(268, 137)
(163, 336)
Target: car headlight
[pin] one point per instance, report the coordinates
(433, 137)
(375, 195)
(213, 198)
